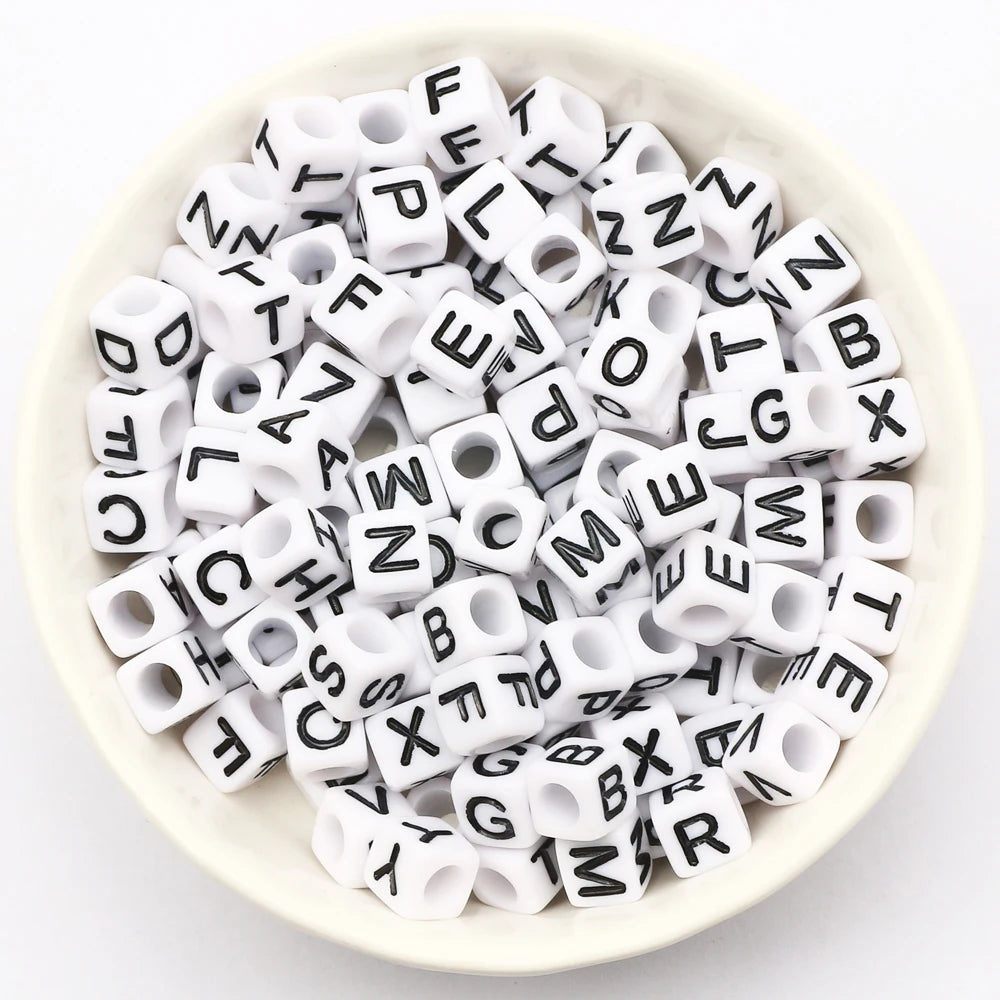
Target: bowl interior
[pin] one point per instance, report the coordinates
(258, 841)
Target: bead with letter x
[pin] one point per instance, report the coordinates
(647, 758)
(882, 418)
(411, 735)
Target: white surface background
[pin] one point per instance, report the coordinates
(95, 902)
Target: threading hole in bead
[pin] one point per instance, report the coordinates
(214, 325)
(489, 612)
(246, 180)
(269, 536)
(656, 638)
(312, 262)
(433, 799)
(268, 712)
(171, 511)
(475, 456)
(560, 802)
(382, 123)
(789, 607)
(329, 837)
(705, 620)
(876, 519)
(237, 390)
(653, 159)
(611, 465)
(132, 612)
(161, 686)
(443, 885)
(593, 648)
(767, 671)
(497, 526)
(662, 309)
(555, 259)
(272, 643)
(274, 482)
(378, 438)
(715, 243)
(395, 340)
(800, 746)
(824, 411)
(136, 298)
(174, 425)
(581, 111)
(367, 632)
(338, 517)
(318, 119)
(805, 359)
(496, 889)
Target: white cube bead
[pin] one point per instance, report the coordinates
(543, 600)
(610, 452)
(358, 664)
(610, 869)
(138, 429)
(390, 555)
(311, 257)
(490, 794)
(387, 135)
(428, 285)
(709, 684)
(885, 430)
(804, 273)
(668, 494)
(386, 431)
(647, 727)
(344, 387)
(796, 416)
(704, 587)
(868, 602)
(653, 845)
(853, 342)
(520, 880)
(339, 211)
(722, 289)
(144, 332)
(580, 790)
(537, 343)
(558, 135)
(293, 553)
(368, 315)
(739, 346)
(708, 735)
(486, 704)
(460, 113)
(781, 754)
(837, 681)
(790, 611)
(131, 511)
(700, 823)
(403, 225)
(271, 645)
(421, 868)
(870, 518)
(475, 455)
(429, 406)
(579, 671)
(237, 740)
(406, 479)
(228, 394)
(658, 658)
(491, 283)
(215, 574)
(214, 484)
(470, 619)
(499, 529)
(719, 429)
(433, 798)
(347, 820)
(407, 744)
(783, 520)
(230, 212)
(557, 264)
(758, 675)
(649, 305)
(296, 450)
(633, 148)
(492, 210)
(251, 309)
(320, 747)
(646, 221)
(740, 211)
(421, 674)
(548, 418)
(730, 509)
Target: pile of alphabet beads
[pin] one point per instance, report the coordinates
(523, 495)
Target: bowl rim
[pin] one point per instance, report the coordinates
(579, 33)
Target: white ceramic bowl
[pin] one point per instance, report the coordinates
(257, 842)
